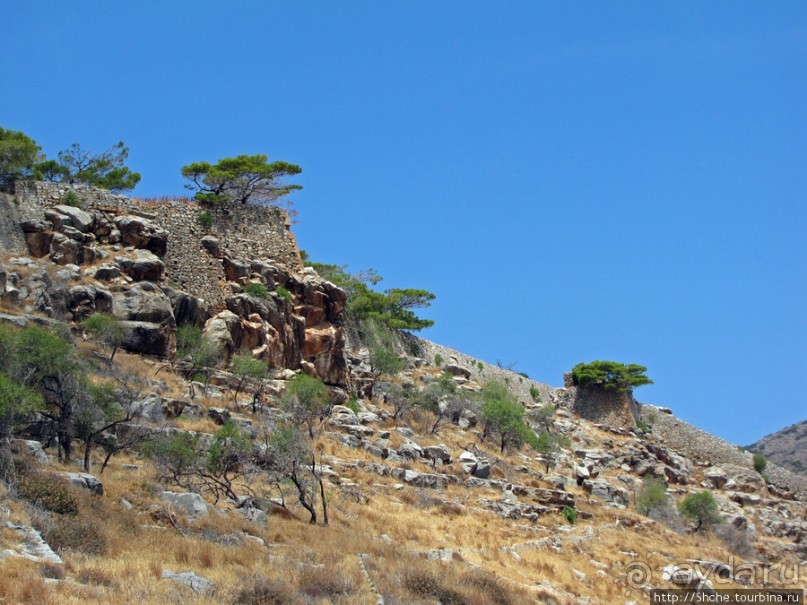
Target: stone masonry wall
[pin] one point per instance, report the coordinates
(245, 232)
(702, 447)
(12, 240)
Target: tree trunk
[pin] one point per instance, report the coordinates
(87, 450)
(303, 497)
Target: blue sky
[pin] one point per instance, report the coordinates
(575, 181)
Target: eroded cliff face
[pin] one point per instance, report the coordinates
(156, 267)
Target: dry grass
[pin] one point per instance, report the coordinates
(495, 560)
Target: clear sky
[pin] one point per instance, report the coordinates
(574, 180)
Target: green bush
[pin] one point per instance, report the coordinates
(255, 289)
(71, 198)
(352, 404)
(643, 427)
(504, 416)
(284, 294)
(385, 361)
(205, 219)
(760, 462)
(610, 375)
(653, 496)
(570, 514)
(392, 308)
(700, 507)
(480, 366)
(535, 394)
(438, 360)
(48, 492)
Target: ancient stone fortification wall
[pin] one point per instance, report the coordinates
(244, 232)
(11, 237)
(518, 384)
(612, 408)
(700, 446)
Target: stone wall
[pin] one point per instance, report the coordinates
(704, 448)
(12, 240)
(482, 371)
(609, 407)
(244, 232)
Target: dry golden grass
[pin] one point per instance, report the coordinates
(492, 559)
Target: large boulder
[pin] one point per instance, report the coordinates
(66, 251)
(600, 488)
(473, 465)
(142, 233)
(188, 309)
(437, 452)
(186, 503)
(147, 338)
(38, 236)
(715, 477)
(143, 302)
(149, 408)
(84, 481)
(145, 266)
(743, 479)
(71, 216)
(85, 299)
(198, 584)
(324, 348)
(220, 328)
(29, 448)
(456, 370)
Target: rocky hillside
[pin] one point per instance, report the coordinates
(787, 448)
(393, 492)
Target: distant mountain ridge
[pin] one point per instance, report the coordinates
(787, 448)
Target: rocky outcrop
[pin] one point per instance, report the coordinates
(139, 232)
(144, 266)
(144, 303)
(298, 326)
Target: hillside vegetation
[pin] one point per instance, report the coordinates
(280, 436)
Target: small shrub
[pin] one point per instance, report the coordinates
(385, 361)
(438, 360)
(735, 540)
(48, 492)
(71, 198)
(643, 427)
(205, 219)
(452, 509)
(760, 462)
(485, 583)
(263, 591)
(93, 575)
(54, 572)
(426, 584)
(284, 294)
(352, 404)
(321, 583)
(256, 290)
(535, 394)
(81, 533)
(480, 366)
(569, 514)
(653, 496)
